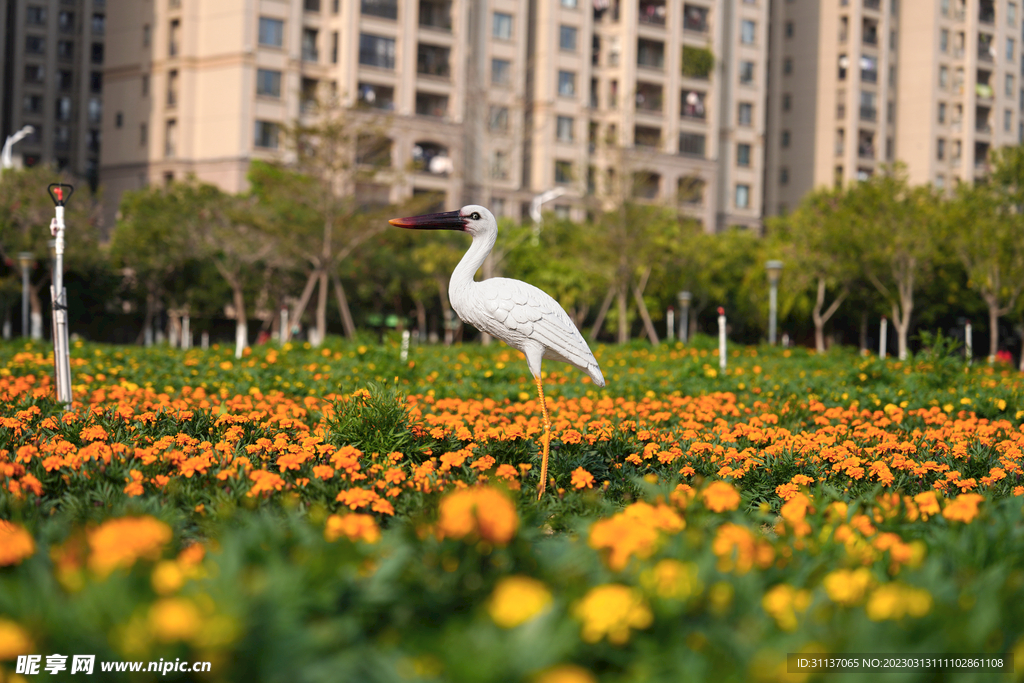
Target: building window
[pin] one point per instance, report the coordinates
(172, 88)
(942, 112)
(33, 104)
(692, 144)
(943, 77)
(147, 35)
(311, 5)
(96, 81)
(944, 40)
(563, 172)
(99, 24)
(785, 139)
(743, 154)
(35, 16)
(1007, 120)
(143, 134)
(1009, 49)
(742, 196)
(783, 177)
(567, 38)
(63, 110)
(271, 32)
(66, 50)
(787, 101)
(35, 45)
(692, 106)
(1009, 86)
(266, 134)
(745, 116)
(501, 72)
(429, 104)
(35, 73)
(747, 30)
(1011, 13)
(145, 85)
(498, 119)
(95, 110)
(268, 83)
(433, 60)
(695, 18)
(789, 29)
(564, 129)
(502, 27)
(335, 43)
(377, 96)
(940, 149)
(690, 190)
(385, 9)
(569, 4)
(499, 165)
(787, 65)
(174, 36)
(650, 53)
(844, 61)
(566, 84)
(376, 51)
(746, 73)
(171, 139)
(310, 52)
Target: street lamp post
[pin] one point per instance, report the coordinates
(538, 201)
(25, 261)
(60, 193)
(774, 269)
(684, 315)
(6, 157)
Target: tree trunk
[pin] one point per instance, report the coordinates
(821, 318)
(346, 314)
(993, 326)
(864, 333)
(421, 320)
(146, 335)
(623, 335)
(36, 311)
(638, 295)
(295, 318)
(602, 313)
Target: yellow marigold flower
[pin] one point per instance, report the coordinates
(896, 600)
(720, 496)
(783, 601)
(167, 577)
(480, 511)
(611, 611)
(848, 586)
(516, 600)
(566, 673)
(174, 619)
(353, 526)
(927, 504)
(672, 579)
(16, 544)
(13, 641)
(582, 479)
(120, 542)
(963, 508)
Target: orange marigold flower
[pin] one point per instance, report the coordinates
(566, 673)
(16, 544)
(571, 436)
(94, 433)
(120, 542)
(634, 531)
(786, 491)
(480, 511)
(353, 526)
(264, 482)
(356, 498)
(582, 479)
(324, 472)
(720, 496)
(963, 508)
(927, 504)
(506, 472)
(454, 459)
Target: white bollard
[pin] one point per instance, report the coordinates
(670, 324)
(186, 333)
(204, 339)
(283, 332)
(882, 337)
(721, 338)
(404, 354)
(969, 342)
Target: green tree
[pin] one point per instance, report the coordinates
(896, 231)
(994, 257)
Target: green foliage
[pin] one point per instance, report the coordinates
(698, 62)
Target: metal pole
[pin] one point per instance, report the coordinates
(25, 261)
(774, 269)
(61, 351)
(721, 338)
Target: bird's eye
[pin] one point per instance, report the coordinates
(475, 215)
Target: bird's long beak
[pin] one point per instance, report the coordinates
(448, 220)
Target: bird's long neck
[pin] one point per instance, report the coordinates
(462, 277)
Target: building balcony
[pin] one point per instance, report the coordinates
(436, 14)
(652, 12)
(868, 114)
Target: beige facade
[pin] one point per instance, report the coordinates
(52, 55)
(482, 101)
(930, 83)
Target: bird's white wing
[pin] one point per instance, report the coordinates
(523, 316)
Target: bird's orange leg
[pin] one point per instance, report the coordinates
(546, 440)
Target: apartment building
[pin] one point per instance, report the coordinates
(490, 101)
(859, 83)
(52, 55)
